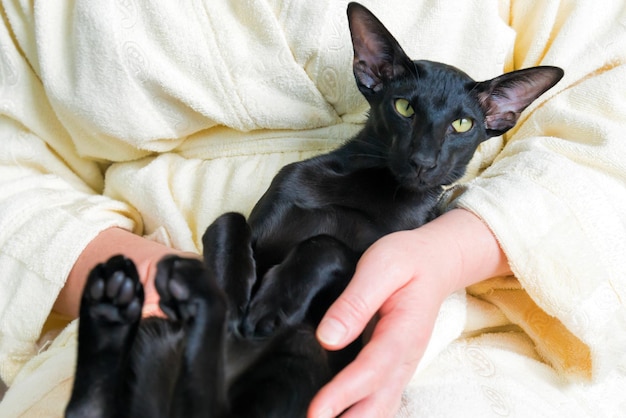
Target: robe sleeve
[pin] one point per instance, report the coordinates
(50, 205)
(554, 196)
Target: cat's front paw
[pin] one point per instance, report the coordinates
(302, 287)
(113, 294)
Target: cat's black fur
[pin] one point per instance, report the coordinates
(239, 339)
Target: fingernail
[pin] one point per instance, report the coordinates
(331, 332)
(326, 413)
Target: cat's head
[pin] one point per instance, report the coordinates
(430, 116)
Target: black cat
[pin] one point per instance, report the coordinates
(196, 363)
(239, 339)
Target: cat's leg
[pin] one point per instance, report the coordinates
(110, 311)
(156, 360)
(302, 287)
(189, 295)
(299, 291)
(283, 379)
(229, 258)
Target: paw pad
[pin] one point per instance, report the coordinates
(113, 292)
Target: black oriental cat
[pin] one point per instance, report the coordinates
(239, 339)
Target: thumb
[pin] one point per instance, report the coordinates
(345, 320)
(376, 278)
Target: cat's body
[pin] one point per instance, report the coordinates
(239, 340)
(347, 193)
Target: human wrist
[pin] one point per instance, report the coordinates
(473, 252)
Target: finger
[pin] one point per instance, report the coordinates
(378, 275)
(384, 403)
(370, 373)
(152, 310)
(389, 360)
(151, 302)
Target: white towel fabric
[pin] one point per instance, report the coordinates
(158, 116)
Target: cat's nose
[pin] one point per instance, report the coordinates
(422, 162)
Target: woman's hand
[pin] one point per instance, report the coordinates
(404, 278)
(145, 254)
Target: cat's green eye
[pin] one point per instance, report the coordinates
(404, 108)
(462, 125)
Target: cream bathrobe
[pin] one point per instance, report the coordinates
(158, 116)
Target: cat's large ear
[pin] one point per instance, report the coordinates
(378, 57)
(505, 97)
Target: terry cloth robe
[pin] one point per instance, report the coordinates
(157, 117)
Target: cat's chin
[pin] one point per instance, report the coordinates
(416, 184)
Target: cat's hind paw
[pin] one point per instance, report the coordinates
(113, 293)
(110, 308)
(185, 288)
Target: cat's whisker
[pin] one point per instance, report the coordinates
(380, 157)
(374, 146)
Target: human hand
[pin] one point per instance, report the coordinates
(144, 253)
(404, 278)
